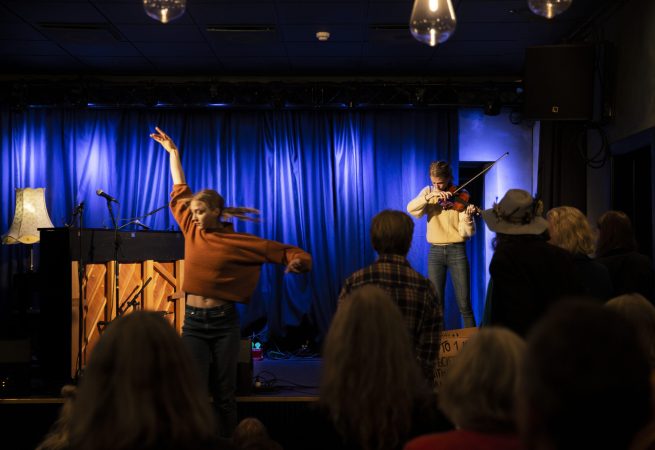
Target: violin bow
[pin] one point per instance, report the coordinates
(480, 173)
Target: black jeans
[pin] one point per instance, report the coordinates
(213, 337)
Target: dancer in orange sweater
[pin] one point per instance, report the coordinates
(221, 267)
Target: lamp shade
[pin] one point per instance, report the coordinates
(30, 215)
(164, 10)
(432, 21)
(549, 8)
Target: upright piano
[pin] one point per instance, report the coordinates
(78, 290)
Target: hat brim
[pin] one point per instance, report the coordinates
(495, 224)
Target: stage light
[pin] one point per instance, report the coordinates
(164, 10)
(549, 8)
(432, 21)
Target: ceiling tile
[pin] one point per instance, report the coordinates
(391, 49)
(155, 33)
(30, 48)
(116, 64)
(173, 49)
(186, 65)
(333, 66)
(320, 13)
(255, 65)
(56, 63)
(237, 49)
(20, 31)
(101, 49)
(233, 13)
(323, 49)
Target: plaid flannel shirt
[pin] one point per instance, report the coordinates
(416, 297)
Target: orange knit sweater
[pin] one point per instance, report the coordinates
(225, 264)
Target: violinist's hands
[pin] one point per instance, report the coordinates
(471, 210)
(295, 266)
(164, 140)
(439, 195)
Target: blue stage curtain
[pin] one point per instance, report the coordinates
(317, 176)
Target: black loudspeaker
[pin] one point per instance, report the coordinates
(559, 82)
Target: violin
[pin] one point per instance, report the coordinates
(459, 201)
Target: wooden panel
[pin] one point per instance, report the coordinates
(99, 291)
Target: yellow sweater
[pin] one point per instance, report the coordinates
(444, 226)
(225, 264)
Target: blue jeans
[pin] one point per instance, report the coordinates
(452, 257)
(213, 336)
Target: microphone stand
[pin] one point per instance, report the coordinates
(116, 266)
(134, 220)
(137, 220)
(81, 272)
(134, 302)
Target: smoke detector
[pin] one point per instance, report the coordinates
(322, 35)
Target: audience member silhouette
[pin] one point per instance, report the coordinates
(569, 229)
(415, 295)
(372, 393)
(57, 437)
(617, 249)
(585, 381)
(141, 390)
(477, 394)
(641, 314)
(251, 434)
(527, 273)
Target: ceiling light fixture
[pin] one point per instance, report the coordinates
(549, 8)
(432, 21)
(164, 10)
(322, 35)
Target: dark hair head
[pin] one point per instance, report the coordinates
(371, 379)
(615, 232)
(441, 169)
(141, 389)
(391, 232)
(585, 382)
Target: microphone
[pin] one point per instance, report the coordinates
(142, 225)
(78, 209)
(107, 197)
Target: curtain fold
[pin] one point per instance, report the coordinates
(562, 178)
(317, 176)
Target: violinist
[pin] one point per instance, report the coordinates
(449, 225)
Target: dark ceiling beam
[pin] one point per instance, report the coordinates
(306, 94)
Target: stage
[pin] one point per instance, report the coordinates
(283, 390)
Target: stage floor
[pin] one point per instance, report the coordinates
(287, 388)
(291, 377)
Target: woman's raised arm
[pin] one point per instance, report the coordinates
(176, 164)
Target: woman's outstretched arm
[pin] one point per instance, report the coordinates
(176, 164)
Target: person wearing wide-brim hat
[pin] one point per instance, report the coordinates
(527, 273)
(516, 213)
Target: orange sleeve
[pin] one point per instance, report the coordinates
(179, 207)
(279, 253)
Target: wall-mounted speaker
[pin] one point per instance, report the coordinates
(559, 82)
